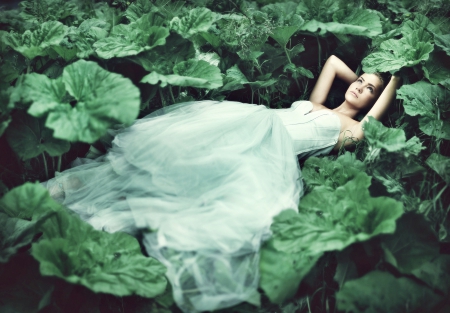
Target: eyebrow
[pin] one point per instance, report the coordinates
(368, 83)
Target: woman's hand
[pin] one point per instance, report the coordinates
(334, 67)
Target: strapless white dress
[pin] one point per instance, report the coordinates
(202, 181)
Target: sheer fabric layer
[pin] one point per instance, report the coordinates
(204, 181)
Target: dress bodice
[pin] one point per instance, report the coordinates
(313, 133)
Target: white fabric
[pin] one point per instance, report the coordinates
(205, 179)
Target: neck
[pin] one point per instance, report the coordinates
(346, 109)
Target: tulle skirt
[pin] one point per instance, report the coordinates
(202, 181)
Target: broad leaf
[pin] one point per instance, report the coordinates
(103, 262)
(29, 137)
(134, 38)
(89, 32)
(331, 173)
(14, 234)
(193, 73)
(437, 67)
(443, 41)
(283, 14)
(320, 10)
(395, 54)
(436, 273)
(35, 43)
(102, 100)
(413, 243)
(327, 220)
(390, 139)
(27, 201)
(382, 292)
(139, 8)
(430, 102)
(283, 34)
(441, 165)
(197, 20)
(281, 272)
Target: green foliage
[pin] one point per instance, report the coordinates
(265, 52)
(35, 43)
(72, 250)
(102, 99)
(430, 103)
(327, 220)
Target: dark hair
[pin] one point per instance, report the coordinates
(384, 78)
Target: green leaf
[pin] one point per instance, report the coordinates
(421, 26)
(436, 273)
(197, 20)
(28, 137)
(27, 201)
(48, 10)
(161, 59)
(14, 234)
(89, 32)
(103, 262)
(193, 73)
(139, 8)
(430, 102)
(283, 14)
(441, 165)
(437, 67)
(331, 173)
(102, 100)
(327, 220)
(134, 38)
(282, 272)
(390, 139)
(35, 43)
(381, 292)
(283, 34)
(443, 41)
(298, 71)
(395, 54)
(320, 10)
(413, 243)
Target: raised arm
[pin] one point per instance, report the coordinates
(334, 67)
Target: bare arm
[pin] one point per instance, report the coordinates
(334, 67)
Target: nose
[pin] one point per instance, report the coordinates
(358, 88)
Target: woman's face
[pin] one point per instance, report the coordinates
(364, 91)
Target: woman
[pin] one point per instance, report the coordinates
(202, 181)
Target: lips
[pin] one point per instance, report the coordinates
(354, 94)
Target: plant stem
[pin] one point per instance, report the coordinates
(58, 167)
(320, 53)
(45, 165)
(163, 103)
(171, 93)
(290, 62)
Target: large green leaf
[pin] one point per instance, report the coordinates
(331, 173)
(320, 10)
(382, 292)
(35, 43)
(443, 41)
(430, 102)
(193, 73)
(101, 99)
(14, 234)
(436, 273)
(161, 59)
(395, 54)
(281, 272)
(72, 250)
(283, 14)
(437, 67)
(441, 165)
(134, 38)
(357, 22)
(29, 137)
(48, 10)
(413, 243)
(283, 34)
(327, 220)
(390, 139)
(421, 25)
(103, 262)
(197, 20)
(89, 32)
(27, 201)
(139, 8)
